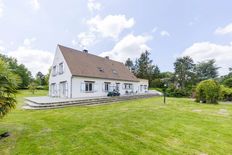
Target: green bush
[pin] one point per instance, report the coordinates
(207, 91)
(226, 94)
(172, 91)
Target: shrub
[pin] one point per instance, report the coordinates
(226, 93)
(207, 91)
(172, 91)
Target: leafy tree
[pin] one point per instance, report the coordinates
(40, 79)
(47, 76)
(8, 85)
(206, 70)
(184, 71)
(20, 70)
(228, 82)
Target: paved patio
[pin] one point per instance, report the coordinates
(47, 99)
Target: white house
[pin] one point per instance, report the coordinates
(78, 74)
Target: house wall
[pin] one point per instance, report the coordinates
(98, 90)
(66, 76)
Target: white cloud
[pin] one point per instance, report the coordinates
(2, 49)
(93, 5)
(205, 50)
(111, 25)
(84, 39)
(28, 41)
(1, 8)
(224, 30)
(165, 33)
(129, 47)
(35, 4)
(34, 59)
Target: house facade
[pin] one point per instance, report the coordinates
(77, 74)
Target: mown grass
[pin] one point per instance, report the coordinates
(144, 126)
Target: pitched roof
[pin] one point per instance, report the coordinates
(89, 65)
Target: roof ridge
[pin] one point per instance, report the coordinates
(88, 53)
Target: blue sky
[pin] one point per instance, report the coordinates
(31, 29)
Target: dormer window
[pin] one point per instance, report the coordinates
(114, 72)
(61, 68)
(54, 71)
(100, 69)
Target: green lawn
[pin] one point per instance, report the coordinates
(144, 126)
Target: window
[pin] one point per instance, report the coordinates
(53, 89)
(127, 86)
(100, 69)
(117, 86)
(63, 89)
(114, 72)
(107, 86)
(61, 68)
(89, 86)
(145, 87)
(54, 71)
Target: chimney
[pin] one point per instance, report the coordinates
(107, 57)
(85, 51)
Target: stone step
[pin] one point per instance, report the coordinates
(34, 106)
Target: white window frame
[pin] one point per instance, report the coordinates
(63, 84)
(53, 90)
(54, 70)
(86, 84)
(61, 69)
(106, 85)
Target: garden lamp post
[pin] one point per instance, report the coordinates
(164, 92)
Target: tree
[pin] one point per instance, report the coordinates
(129, 64)
(228, 82)
(40, 79)
(156, 72)
(47, 77)
(144, 67)
(206, 70)
(184, 71)
(8, 86)
(20, 70)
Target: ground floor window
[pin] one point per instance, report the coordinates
(128, 86)
(106, 86)
(89, 86)
(63, 89)
(53, 89)
(143, 87)
(117, 86)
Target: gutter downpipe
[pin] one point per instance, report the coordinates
(71, 87)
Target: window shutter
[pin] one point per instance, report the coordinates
(66, 89)
(82, 87)
(95, 87)
(103, 87)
